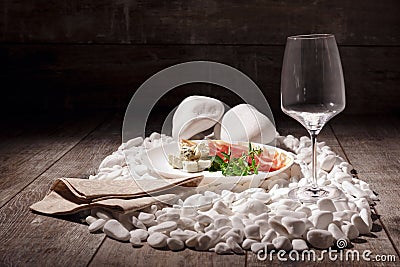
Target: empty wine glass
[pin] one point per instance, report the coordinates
(312, 92)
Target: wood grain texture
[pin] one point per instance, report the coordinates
(24, 157)
(30, 239)
(372, 145)
(86, 77)
(193, 22)
(114, 253)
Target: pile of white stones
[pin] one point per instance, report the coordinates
(255, 219)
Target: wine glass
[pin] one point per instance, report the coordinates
(312, 92)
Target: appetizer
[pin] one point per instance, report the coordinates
(230, 159)
(193, 157)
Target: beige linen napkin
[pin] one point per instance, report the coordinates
(70, 195)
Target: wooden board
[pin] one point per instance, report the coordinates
(25, 156)
(193, 22)
(372, 145)
(114, 253)
(30, 239)
(99, 77)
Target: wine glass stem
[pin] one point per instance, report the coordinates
(313, 136)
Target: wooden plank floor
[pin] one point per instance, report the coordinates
(32, 157)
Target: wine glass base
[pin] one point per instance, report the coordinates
(311, 195)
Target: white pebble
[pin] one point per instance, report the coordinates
(292, 204)
(247, 243)
(114, 229)
(188, 211)
(224, 230)
(133, 142)
(192, 241)
(203, 242)
(168, 217)
(222, 221)
(304, 209)
(365, 214)
(103, 215)
(252, 232)
(147, 143)
(135, 241)
(214, 237)
(328, 162)
(353, 190)
(146, 218)
(157, 240)
(237, 222)
(294, 226)
(341, 205)
(186, 223)
(308, 223)
(326, 204)
(140, 233)
(299, 245)
(204, 219)
(234, 246)
(321, 239)
(264, 197)
(262, 216)
(293, 214)
(282, 243)
(222, 248)
(97, 225)
(192, 201)
(340, 177)
(111, 160)
(264, 226)
(350, 231)
(175, 244)
(254, 206)
(341, 216)
(237, 234)
(90, 219)
(358, 222)
(278, 227)
(155, 136)
(221, 208)
(362, 203)
(322, 219)
(269, 236)
(165, 227)
(181, 235)
(336, 232)
(256, 247)
(138, 224)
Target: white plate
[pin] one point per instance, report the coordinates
(157, 160)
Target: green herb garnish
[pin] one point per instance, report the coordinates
(230, 166)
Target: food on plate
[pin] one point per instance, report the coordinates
(193, 157)
(231, 159)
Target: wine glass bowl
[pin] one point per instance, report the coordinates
(312, 92)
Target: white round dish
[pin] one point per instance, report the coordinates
(156, 159)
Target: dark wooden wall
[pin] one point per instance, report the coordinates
(72, 55)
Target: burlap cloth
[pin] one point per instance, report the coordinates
(71, 195)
